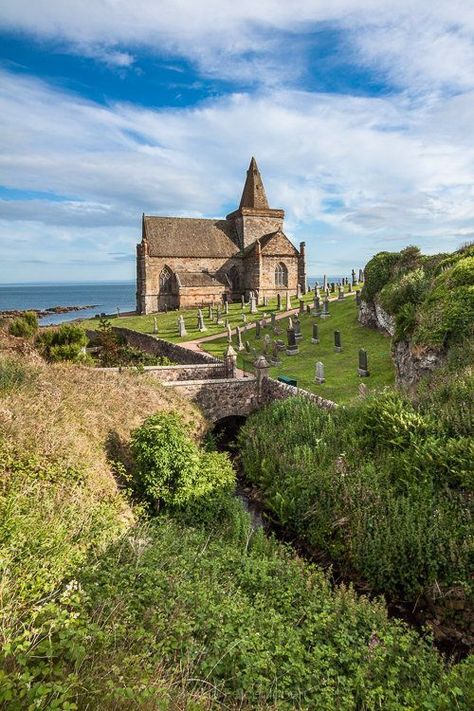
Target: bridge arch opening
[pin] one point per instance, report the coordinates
(226, 430)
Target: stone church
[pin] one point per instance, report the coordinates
(184, 262)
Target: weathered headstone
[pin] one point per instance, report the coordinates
(325, 282)
(292, 346)
(247, 346)
(333, 287)
(242, 301)
(354, 280)
(337, 342)
(200, 324)
(244, 318)
(325, 312)
(253, 305)
(297, 327)
(316, 306)
(273, 319)
(258, 326)
(280, 344)
(275, 357)
(265, 300)
(218, 316)
(279, 303)
(315, 337)
(340, 294)
(361, 275)
(363, 390)
(317, 291)
(226, 308)
(358, 299)
(181, 327)
(229, 333)
(301, 306)
(363, 369)
(209, 312)
(288, 301)
(349, 288)
(238, 333)
(155, 325)
(299, 293)
(308, 309)
(319, 377)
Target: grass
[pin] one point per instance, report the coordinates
(168, 322)
(342, 379)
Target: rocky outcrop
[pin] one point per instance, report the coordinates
(371, 314)
(414, 362)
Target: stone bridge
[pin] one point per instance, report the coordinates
(216, 386)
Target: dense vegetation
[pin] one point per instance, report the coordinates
(431, 297)
(106, 607)
(383, 487)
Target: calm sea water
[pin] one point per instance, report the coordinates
(105, 297)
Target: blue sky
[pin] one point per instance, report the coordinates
(359, 114)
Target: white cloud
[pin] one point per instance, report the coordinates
(395, 171)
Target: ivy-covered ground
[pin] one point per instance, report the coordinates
(342, 380)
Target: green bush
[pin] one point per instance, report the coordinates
(170, 467)
(378, 272)
(24, 326)
(409, 288)
(65, 343)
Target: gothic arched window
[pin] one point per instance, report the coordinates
(166, 280)
(234, 278)
(281, 275)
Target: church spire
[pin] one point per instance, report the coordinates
(253, 195)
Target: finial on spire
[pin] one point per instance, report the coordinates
(253, 195)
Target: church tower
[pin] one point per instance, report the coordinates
(254, 218)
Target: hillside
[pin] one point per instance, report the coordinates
(106, 605)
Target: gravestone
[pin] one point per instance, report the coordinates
(361, 275)
(229, 333)
(247, 346)
(337, 342)
(340, 295)
(238, 333)
(244, 318)
(358, 299)
(279, 303)
(297, 327)
(288, 301)
(301, 306)
(181, 327)
(273, 319)
(333, 288)
(155, 325)
(226, 308)
(218, 316)
(325, 282)
(354, 280)
(209, 312)
(280, 344)
(363, 390)
(317, 306)
(292, 346)
(319, 376)
(299, 293)
(253, 305)
(325, 312)
(317, 291)
(349, 289)
(363, 369)
(201, 325)
(315, 337)
(242, 301)
(308, 309)
(275, 357)
(258, 326)
(265, 300)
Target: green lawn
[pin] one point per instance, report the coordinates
(342, 380)
(168, 322)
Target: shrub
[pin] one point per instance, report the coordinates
(410, 288)
(65, 343)
(378, 272)
(170, 467)
(24, 326)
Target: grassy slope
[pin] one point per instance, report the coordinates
(342, 380)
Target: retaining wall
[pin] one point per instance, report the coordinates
(159, 347)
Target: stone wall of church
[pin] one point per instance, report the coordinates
(267, 280)
(251, 227)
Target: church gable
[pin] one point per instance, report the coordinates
(277, 244)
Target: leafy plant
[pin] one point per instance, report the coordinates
(65, 343)
(24, 326)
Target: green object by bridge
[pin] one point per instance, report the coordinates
(288, 381)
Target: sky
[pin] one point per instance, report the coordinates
(360, 114)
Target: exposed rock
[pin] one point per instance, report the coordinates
(414, 362)
(373, 315)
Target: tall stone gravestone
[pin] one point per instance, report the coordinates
(292, 346)
(242, 301)
(325, 282)
(340, 295)
(358, 299)
(229, 333)
(275, 357)
(301, 306)
(297, 328)
(279, 303)
(363, 369)
(316, 306)
(333, 287)
(315, 337)
(325, 312)
(181, 327)
(319, 376)
(337, 341)
(353, 275)
(200, 324)
(288, 301)
(155, 325)
(226, 308)
(209, 312)
(238, 333)
(257, 329)
(253, 305)
(361, 275)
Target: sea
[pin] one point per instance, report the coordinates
(104, 297)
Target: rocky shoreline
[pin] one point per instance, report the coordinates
(46, 312)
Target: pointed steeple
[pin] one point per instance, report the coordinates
(253, 195)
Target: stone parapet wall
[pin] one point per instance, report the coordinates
(160, 347)
(181, 373)
(275, 390)
(220, 398)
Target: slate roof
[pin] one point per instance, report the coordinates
(187, 279)
(189, 237)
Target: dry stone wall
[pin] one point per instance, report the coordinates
(160, 347)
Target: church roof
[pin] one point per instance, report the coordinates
(253, 195)
(188, 237)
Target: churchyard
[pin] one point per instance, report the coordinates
(341, 376)
(165, 324)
